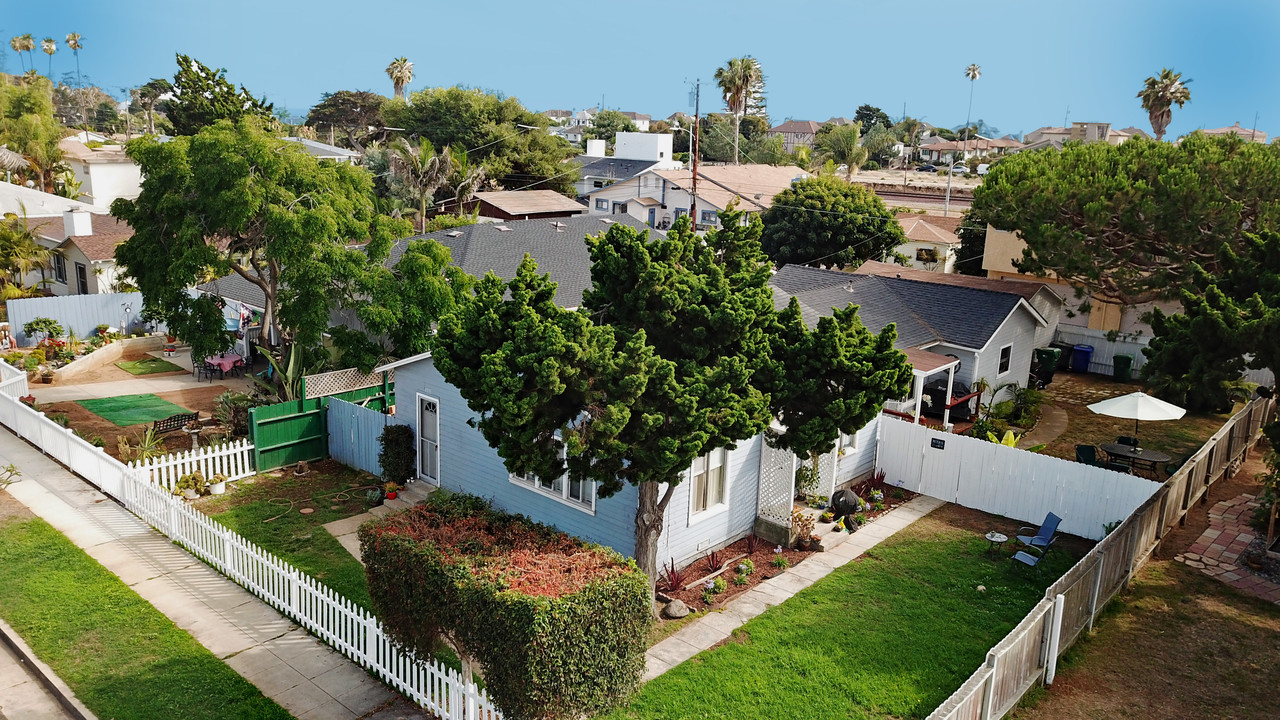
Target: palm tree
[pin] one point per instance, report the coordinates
(401, 73)
(736, 80)
(973, 72)
(1160, 94)
(20, 254)
(842, 145)
(49, 47)
(73, 42)
(422, 170)
(908, 131)
(16, 43)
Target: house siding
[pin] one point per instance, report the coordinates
(1020, 331)
(684, 538)
(468, 464)
(862, 458)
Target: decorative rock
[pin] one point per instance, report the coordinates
(675, 610)
(1209, 561)
(1195, 564)
(1193, 556)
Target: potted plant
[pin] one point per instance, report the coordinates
(828, 516)
(218, 484)
(802, 524)
(374, 496)
(191, 486)
(46, 374)
(392, 489)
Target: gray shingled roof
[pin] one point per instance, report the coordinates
(559, 250)
(924, 312)
(612, 167)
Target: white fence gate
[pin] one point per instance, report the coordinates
(332, 618)
(1007, 481)
(234, 460)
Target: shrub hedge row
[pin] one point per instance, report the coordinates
(557, 626)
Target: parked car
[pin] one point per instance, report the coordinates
(983, 168)
(958, 169)
(926, 168)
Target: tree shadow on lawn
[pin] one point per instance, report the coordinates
(890, 635)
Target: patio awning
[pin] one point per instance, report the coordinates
(925, 363)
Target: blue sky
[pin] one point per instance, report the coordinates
(820, 58)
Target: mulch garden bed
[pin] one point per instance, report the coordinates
(91, 425)
(762, 556)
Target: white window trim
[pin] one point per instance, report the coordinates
(562, 496)
(1008, 347)
(417, 440)
(714, 511)
(846, 444)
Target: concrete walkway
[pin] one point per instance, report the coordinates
(715, 627)
(138, 385)
(1053, 422)
(345, 529)
(22, 694)
(303, 675)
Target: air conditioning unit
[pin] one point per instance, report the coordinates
(664, 206)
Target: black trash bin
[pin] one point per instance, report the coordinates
(1080, 357)
(1064, 354)
(1122, 368)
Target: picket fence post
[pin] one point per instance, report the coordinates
(1097, 587)
(989, 687)
(294, 590)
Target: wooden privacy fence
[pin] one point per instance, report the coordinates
(349, 629)
(1029, 654)
(354, 434)
(233, 459)
(1006, 481)
(285, 433)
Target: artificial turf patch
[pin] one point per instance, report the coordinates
(127, 410)
(147, 366)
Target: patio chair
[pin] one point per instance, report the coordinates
(207, 369)
(1044, 534)
(1032, 556)
(1127, 440)
(1088, 454)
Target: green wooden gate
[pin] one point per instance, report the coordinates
(287, 432)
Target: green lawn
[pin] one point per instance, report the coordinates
(891, 635)
(148, 366)
(127, 410)
(300, 539)
(120, 656)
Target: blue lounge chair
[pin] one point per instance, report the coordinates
(1044, 534)
(1032, 556)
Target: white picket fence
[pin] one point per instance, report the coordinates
(350, 629)
(233, 460)
(1007, 481)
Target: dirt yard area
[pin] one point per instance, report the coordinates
(90, 425)
(1179, 644)
(12, 510)
(111, 373)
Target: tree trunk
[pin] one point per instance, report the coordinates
(649, 514)
(737, 123)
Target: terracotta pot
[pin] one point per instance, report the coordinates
(46, 379)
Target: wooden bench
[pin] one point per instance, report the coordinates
(174, 422)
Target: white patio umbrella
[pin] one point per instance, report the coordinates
(1138, 406)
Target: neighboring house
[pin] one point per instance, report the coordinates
(992, 331)
(584, 117)
(559, 117)
(633, 153)
(523, 205)
(658, 197)
(1003, 248)
(1250, 135)
(928, 247)
(104, 173)
(796, 133)
(1088, 132)
(573, 133)
(21, 200)
(640, 120)
(975, 147)
(838, 121)
(84, 252)
(680, 119)
(325, 151)
(1042, 296)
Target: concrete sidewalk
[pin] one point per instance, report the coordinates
(303, 675)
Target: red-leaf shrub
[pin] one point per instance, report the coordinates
(557, 625)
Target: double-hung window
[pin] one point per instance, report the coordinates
(707, 481)
(576, 493)
(1006, 357)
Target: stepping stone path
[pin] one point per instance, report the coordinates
(1218, 549)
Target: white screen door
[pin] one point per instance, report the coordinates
(429, 440)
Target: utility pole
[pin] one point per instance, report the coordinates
(697, 128)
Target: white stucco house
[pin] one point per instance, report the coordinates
(104, 173)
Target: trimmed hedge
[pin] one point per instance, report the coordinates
(558, 626)
(398, 453)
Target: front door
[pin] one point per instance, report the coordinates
(429, 440)
(653, 217)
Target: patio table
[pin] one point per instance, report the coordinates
(1135, 457)
(224, 362)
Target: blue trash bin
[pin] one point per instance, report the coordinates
(1080, 357)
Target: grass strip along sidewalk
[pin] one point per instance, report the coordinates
(121, 656)
(127, 410)
(889, 635)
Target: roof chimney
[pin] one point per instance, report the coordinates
(77, 223)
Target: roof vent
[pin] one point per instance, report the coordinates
(559, 226)
(454, 233)
(607, 221)
(502, 228)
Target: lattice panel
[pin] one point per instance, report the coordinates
(777, 484)
(332, 383)
(827, 474)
